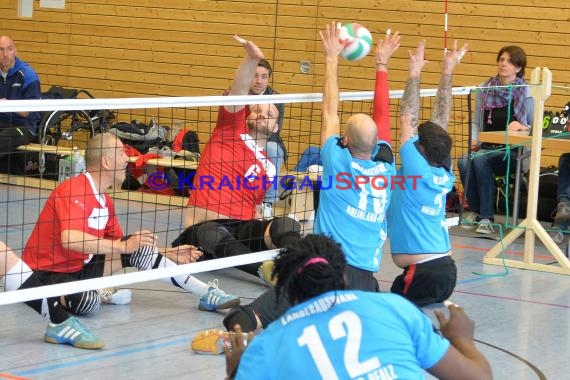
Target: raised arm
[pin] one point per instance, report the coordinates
(332, 47)
(245, 72)
(380, 113)
(442, 106)
(410, 104)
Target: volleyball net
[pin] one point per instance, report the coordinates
(24, 194)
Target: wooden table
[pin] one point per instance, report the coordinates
(65, 151)
(116, 193)
(522, 138)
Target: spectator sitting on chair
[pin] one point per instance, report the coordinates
(419, 238)
(507, 91)
(223, 217)
(78, 236)
(314, 339)
(562, 216)
(19, 82)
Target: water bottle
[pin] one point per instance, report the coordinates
(77, 162)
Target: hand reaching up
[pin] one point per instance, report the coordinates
(417, 60)
(252, 50)
(332, 45)
(386, 47)
(453, 57)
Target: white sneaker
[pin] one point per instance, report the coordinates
(485, 227)
(469, 222)
(115, 296)
(266, 210)
(557, 235)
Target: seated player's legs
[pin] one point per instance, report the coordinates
(360, 279)
(84, 302)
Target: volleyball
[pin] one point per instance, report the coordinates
(359, 41)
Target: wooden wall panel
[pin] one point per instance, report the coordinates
(139, 48)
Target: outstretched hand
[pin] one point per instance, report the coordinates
(252, 50)
(387, 47)
(332, 45)
(453, 57)
(417, 60)
(142, 238)
(183, 254)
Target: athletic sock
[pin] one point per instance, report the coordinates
(146, 258)
(17, 275)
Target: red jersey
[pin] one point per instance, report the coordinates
(73, 205)
(234, 172)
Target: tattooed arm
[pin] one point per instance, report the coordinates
(410, 104)
(442, 106)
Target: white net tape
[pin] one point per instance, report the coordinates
(167, 103)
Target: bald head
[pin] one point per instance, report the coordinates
(102, 144)
(7, 53)
(362, 134)
(6, 40)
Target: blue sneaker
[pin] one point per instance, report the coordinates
(216, 299)
(72, 332)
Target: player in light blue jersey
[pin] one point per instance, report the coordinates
(360, 164)
(419, 237)
(353, 210)
(334, 333)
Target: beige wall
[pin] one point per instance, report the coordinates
(124, 48)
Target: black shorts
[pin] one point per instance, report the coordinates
(427, 283)
(360, 279)
(93, 269)
(251, 233)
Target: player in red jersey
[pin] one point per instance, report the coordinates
(233, 176)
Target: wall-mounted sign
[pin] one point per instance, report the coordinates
(58, 4)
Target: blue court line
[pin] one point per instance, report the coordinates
(97, 357)
(475, 279)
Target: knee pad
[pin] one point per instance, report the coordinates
(82, 303)
(243, 316)
(284, 231)
(188, 236)
(145, 258)
(210, 235)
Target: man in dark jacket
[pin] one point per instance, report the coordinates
(19, 81)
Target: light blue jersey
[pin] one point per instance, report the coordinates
(417, 213)
(362, 335)
(353, 203)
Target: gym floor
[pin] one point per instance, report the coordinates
(522, 317)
